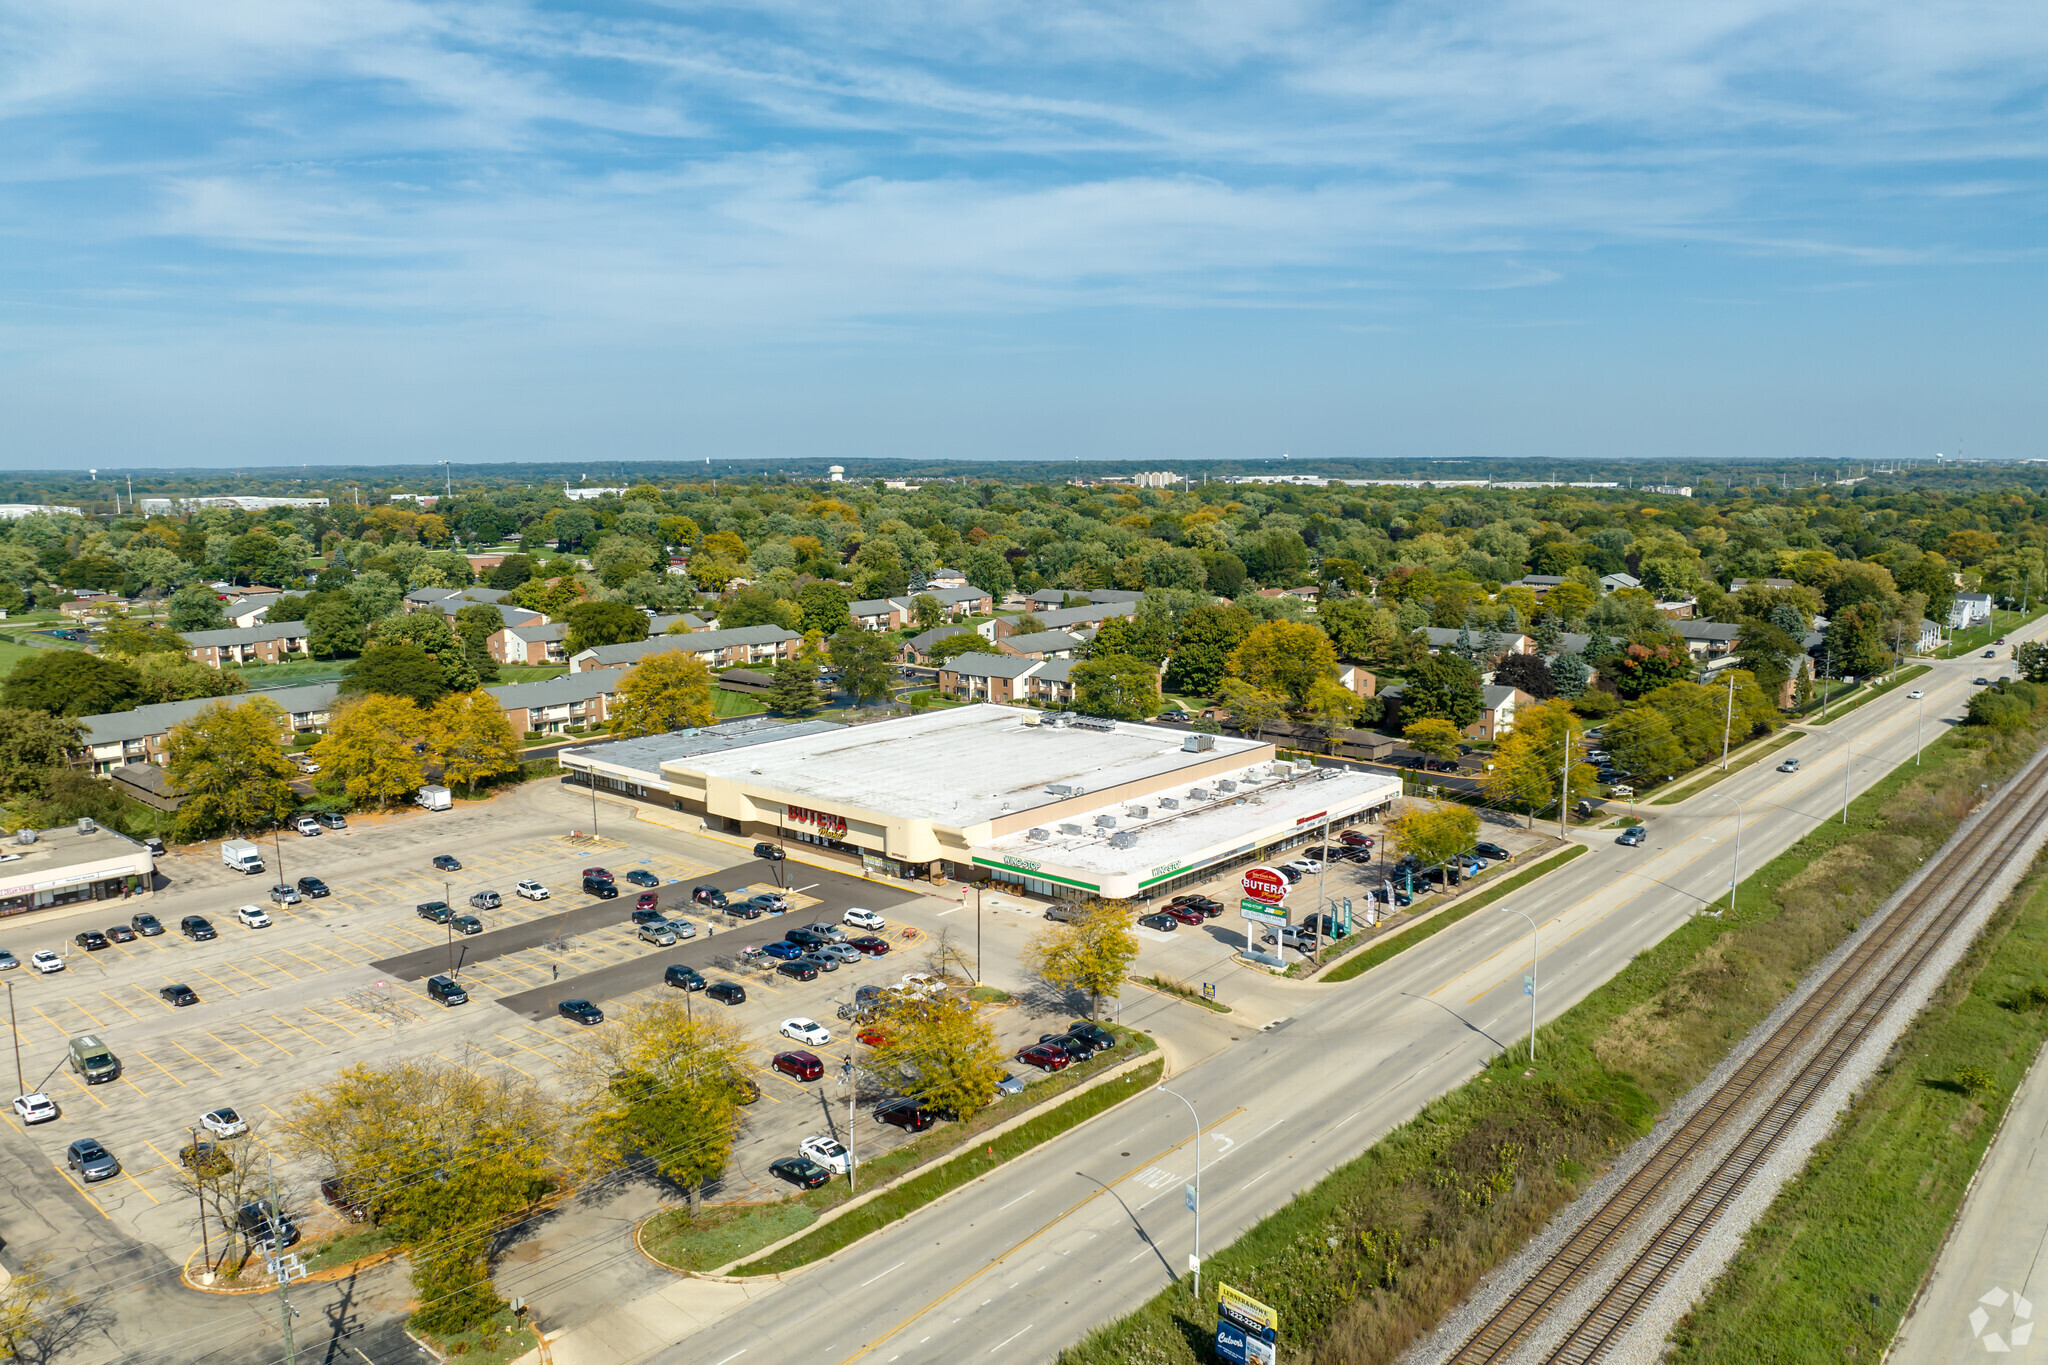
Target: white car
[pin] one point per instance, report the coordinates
(864, 919)
(309, 767)
(806, 1031)
(684, 928)
(307, 826)
(1915, 695)
(224, 1122)
(921, 983)
(253, 917)
(37, 1108)
(45, 961)
(827, 1152)
(1308, 866)
(533, 891)
(1623, 790)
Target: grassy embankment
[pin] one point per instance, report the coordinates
(1374, 1254)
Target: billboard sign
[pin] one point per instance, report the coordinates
(1247, 1331)
(1265, 884)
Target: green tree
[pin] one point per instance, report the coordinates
(662, 693)
(1999, 709)
(1092, 952)
(823, 606)
(368, 748)
(131, 640)
(1767, 653)
(431, 632)
(866, 664)
(926, 611)
(1251, 709)
(1202, 646)
(32, 1301)
(603, 623)
(1642, 745)
(69, 683)
(1118, 686)
(953, 646)
(229, 760)
(1435, 834)
(940, 1050)
(173, 677)
(33, 745)
(2032, 658)
(475, 624)
(795, 691)
(468, 735)
(195, 607)
(757, 607)
(1443, 686)
(1528, 762)
(400, 670)
(663, 1085)
(1144, 637)
(1569, 675)
(1285, 656)
(1645, 668)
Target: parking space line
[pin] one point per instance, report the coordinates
(268, 963)
(290, 1025)
(336, 1023)
(251, 1028)
(66, 1173)
(153, 1062)
(524, 1048)
(233, 994)
(316, 968)
(125, 1175)
(149, 994)
(385, 1023)
(194, 1056)
(160, 1154)
(261, 984)
(62, 1032)
(131, 1013)
(132, 1085)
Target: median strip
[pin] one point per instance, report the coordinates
(1409, 935)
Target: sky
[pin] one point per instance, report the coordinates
(260, 232)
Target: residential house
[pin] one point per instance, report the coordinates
(945, 578)
(1052, 684)
(248, 609)
(1969, 609)
(1044, 644)
(1541, 583)
(530, 644)
(1357, 679)
(1310, 594)
(573, 701)
(85, 605)
(1065, 619)
(1053, 599)
(918, 648)
(1930, 637)
(1737, 585)
(268, 643)
(718, 648)
(149, 784)
(1509, 642)
(123, 738)
(999, 678)
(966, 600)
(1497, 705)
(449, 601)
(1609, 582)
(881, 613)
(1707, 640)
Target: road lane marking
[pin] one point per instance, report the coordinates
(1020, 1198)
(1008, 1339)
(890, 1271)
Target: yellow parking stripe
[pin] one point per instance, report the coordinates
(194, 1056)
(153, 1062)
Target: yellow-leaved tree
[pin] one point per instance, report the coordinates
(1285, 656)
(940, 1050)
(1435, 833)
(469, 737)
(1092, 952)
(368, 748)
(1433, 735)
(663, 692)
(230, 761)
(1529, 763)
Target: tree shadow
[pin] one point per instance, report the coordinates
(64, 1328)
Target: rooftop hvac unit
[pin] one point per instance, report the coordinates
(1039, 835)
(1198, 744)
(1066, 789)
(1123, 840)
(1072, 829)
(1325, 774)
(1105, 822)
(1226, 785)
(1200, 794)
(1169, 803)
(24, 835)
(85, 824)
(1139, 812)
(1094, 723)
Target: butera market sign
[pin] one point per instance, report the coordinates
(823, 822)
(1267, 885)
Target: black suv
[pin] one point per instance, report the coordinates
(806, 938)
(727, 992)
(312, 886)
(684, 978)
(582, 1011)
(769, 852)
(440, 912)
(709, 895)
(149, 926)
(1101, 1037)
(196, 928)
(908, 1115)
(1075, 1046)
(603, 890)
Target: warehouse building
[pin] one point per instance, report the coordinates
(1054, 805)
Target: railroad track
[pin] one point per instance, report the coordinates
(1772, 1087)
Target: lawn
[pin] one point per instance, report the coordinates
(1980, 637)
(1737, 761)
(726, 704)
(12, 654)
(520, 673)
(264, 675)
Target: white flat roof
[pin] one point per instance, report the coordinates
(1168, 843)
(960, 767)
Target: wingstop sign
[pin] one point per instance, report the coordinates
(1265, 884)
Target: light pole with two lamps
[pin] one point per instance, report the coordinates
(1194, 1261)
(1734, 877)
(1535, 959)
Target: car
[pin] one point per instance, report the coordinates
(155, 846)
(1441, 765)
(683, 928)
(870, 946)
(331, 819)
(1165, 924)
(908, 1115)
(1915, 695)
(1355, 837)
(253, 917)
(683, 978)
(822, 960)
(800, 1065)
(223, 1122)
(772, 901)
(308, 767)
(1999, 641)
(92, 940)
(1492, 852)
(1308, 865)
(531, 890)
(647, 914)
(343, 1200)
(601, 873)
(782, 952)
(1397, 896)
(1080, 1049)
(485, 900)
(840, 952)
(598, 887)
(180, 995)
(805, 938)
(1010, 1084)
(1202, 905)
(799, 1171)
(284, 895)
(437, 912)
(921, 983)
(806, 1031)
(727, 993)
(1173, 717)
(745, 1089)
(640, 876)
(769, 853)
(582, 1011)
(1186, 914)
(1296, 936)
(205, 1159)
(646, 900)
(1094, 1033)
(801, 970)
(831, 933)
(828, 1152)
(91, 1161)
(1291, 872)
(741, 909)
(306, 825)
(197, 928)
(1981, 681)
(1990, 653)
(8, 961)
(466, 924)
(1045, 1057)
(1632, 836)
(265, 1226)
(873, 1036)
(709, 895)
(1790, 765)
(446, 862)
(120, 933)
(658, 933)
(314, 887)
(149, 926)
(36, 1108)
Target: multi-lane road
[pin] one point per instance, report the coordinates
(1028, 1260)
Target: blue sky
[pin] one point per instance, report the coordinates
(273, 231)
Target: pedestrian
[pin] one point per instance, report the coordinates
(710, 929)
(556, 967)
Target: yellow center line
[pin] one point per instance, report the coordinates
(1038, 1232)
(194, 1056)
(153, 1062)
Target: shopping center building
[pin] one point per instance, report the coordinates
(70, 864)
(1055, 805)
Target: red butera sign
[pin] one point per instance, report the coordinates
(1265, 885)
(834, 825)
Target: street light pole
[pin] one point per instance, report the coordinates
(1728, 722)
(977, 935)
(1848, 757)
(1196, 1260)
(199, 1193)
(1919, 725)
(20, 1083)
(1736, 876)
(1535, 959)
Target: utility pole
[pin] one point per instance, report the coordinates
(1535, 960)
(199, 1193)
(1847, 758)
(977, 938)
(850, 1078)
(1919, 725)
(20, 1084)
(1736, 876)
(1728, 722)
(285, 1267)
(1564, 785)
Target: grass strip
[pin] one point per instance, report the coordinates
(723, 1233)
(1979, 637)
(1831, 1268)
(1374, 1254)
(1735, 765)
(1835, 713)
(915, 1193)
(1179, 990)
(1407, 938)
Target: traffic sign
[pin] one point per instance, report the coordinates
(1265, 884)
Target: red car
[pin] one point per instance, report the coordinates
(870, 945)
(1186, 914)
(647, 901)
(598, 872)
(1355, 839)
(1045, 1057)
(804, 1066)
(873, 1037)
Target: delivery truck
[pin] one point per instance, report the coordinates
(434, 798)
(241, 855)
